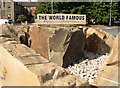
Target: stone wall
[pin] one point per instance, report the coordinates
(47, 73)
(66, 45)
(60, 45)
(37, 69)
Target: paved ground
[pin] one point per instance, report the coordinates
(112, 30)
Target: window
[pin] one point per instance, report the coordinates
(9, 16)
(3, 4)
(9, 9)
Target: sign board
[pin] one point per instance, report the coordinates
(61, 19)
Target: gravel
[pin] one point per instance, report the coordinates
(88, 67)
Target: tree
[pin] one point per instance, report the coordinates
(21, 18)
(43, 7)
(100, 11)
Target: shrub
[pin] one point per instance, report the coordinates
(22, 18)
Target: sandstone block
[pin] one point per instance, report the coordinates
(64, 45)
(39, 41)
(25, 54)
(98, 41)
(14, 72)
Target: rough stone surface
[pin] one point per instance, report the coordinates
(57, 40)
(39, 41)
(98, 41)
(14, 73)
(75, 48)
(64, 45)
(11, 34)
(69, 81)
(25, 54)
(8, 33)
(110, 72)
(47, 72)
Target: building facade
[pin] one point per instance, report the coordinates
(10, 10)
(7, 10)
